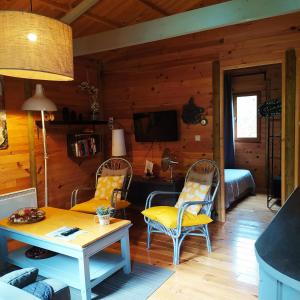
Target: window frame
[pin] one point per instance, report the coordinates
(246, 140)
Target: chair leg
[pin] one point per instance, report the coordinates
(149, 228)
(176, 251)
(124, 213)
(208, 243)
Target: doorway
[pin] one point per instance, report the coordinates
(252, 134)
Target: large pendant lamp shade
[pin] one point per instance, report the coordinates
(35, 47)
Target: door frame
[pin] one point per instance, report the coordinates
(220, 152)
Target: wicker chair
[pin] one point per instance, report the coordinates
(197, 172)
(113, 166)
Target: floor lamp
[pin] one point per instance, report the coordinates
(39, 102)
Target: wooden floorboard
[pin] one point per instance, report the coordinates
(229, 272)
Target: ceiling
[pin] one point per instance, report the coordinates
(107, 14)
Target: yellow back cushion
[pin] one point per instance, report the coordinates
(167, 215)
(106, 185)
(193, 191)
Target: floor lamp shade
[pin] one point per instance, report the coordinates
(39, 102)
(118, 142)
(35, 47)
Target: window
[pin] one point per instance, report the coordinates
(246, 121)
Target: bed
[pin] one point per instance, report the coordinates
(238, 184)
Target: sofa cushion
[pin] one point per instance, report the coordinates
(40, 289)
(91, 205)
(60, 290)
(167, 216)
(20, 278)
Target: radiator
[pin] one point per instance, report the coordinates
(13, 201)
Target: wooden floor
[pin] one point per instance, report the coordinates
(229, 272)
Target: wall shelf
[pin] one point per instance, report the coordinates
(78, 123)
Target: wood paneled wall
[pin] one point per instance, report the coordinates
(163, 75)
(64, 174)
(252, 156)
(14, 163)
(155, 76)
(162, 90)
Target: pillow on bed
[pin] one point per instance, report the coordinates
(203, 178)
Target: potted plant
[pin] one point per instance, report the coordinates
(103, 214)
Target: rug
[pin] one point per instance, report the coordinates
(143, 281)
(140, 284)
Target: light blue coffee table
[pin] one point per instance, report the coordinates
(81, 263)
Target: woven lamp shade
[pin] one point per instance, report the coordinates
(35, 47)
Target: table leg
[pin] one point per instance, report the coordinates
(84, 277)
(125, 249)
(3, 252)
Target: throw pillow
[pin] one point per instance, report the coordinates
(40, 289)
(20, 278)
(106, 185)
(193, 191)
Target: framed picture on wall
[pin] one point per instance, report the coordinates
(3, 124)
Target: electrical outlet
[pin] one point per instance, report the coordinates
(197, 138)
(111, 123)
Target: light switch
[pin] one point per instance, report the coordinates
(197, 138)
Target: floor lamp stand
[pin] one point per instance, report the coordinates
(45, 157)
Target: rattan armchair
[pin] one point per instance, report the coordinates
(114, 166)
(199, 228)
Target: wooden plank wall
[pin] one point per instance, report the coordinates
(64, 174)
(252, 156)
(163, 75)
(14, 161)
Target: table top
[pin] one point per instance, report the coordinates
(56, 218)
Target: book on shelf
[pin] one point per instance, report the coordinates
(84, 147)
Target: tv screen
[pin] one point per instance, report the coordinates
(159, 126)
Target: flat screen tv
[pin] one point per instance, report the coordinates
(158, 126)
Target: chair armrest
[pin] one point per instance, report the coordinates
(12, 292)
(154, 194)
(74, 195)
(115, 194)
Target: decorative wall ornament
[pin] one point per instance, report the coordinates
(3, 125)
(271, 108)
(193, 114)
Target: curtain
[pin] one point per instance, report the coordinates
(228, 123)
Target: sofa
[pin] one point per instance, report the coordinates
(21, 284)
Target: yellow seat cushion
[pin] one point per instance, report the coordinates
(90, 206)
(167, 215)
(106, 185)
(193, 191)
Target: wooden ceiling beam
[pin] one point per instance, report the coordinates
(78, 11)
(202, 19)
(154, 7)
(89, 15)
